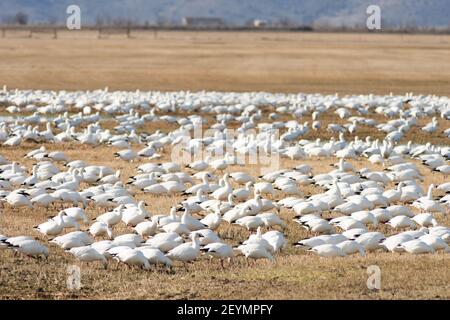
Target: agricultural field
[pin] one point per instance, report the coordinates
(106, 142)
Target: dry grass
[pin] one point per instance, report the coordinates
(230, 61)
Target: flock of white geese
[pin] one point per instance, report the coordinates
(360, 200)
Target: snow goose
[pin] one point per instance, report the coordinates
(68, 222)
(58, 156)
(157, 189)
(73, 239)
(218, 164)
(415, 246)
(113, 217)
(204, 186)
(235, 213)
(259, 240)
(185, 252)
(51, 227)
(398, 210)
(88, 254)
(18, 200)
(136, 239)
(276, 239)
(349, 207)
(319, 226)
(31, 248)
(155, 256)
(165, 241)
(349, 223)
(319, 240)
(98, 229)
(390, 243)
(43, 200)
(198, 165)
(103, 247)
(207, 236)
(250, 222)
(212, 220)
(371, 240)
(435, 242)
(393, 195)
(344, 166)
(428, 204)
(133, 257)
(190, 222)
(170, 167)
(144, 181)
(76, 213)
(441, 231)
(425, 219)
(146, 228)
(126, 154)
(401, 222)
(134, 215)
(328, 250)
(163, 219)
(264, 188)
(305, 207)
(365, 217)
(110, 179)
(255, 251)
(241, 177)
(271, 219)
(351, 247)
(225, 191)
(218, 250)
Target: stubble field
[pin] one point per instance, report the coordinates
(286, 62)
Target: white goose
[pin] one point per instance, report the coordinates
(212, 220)
(146, 228)
(31, 248)
(165, 241)
(428, 204)
(328, 250)
(98, 229)
(113, 217)
(134, 215)
(225, 191)
(133, 257)
(89, 254)
(51, 227)
(255, 251)
(219, 250)
(185, 252)
(76, 213)
(155, 256)
(351, 247)
(415, 246)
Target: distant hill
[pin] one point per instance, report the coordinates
(334, 13)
